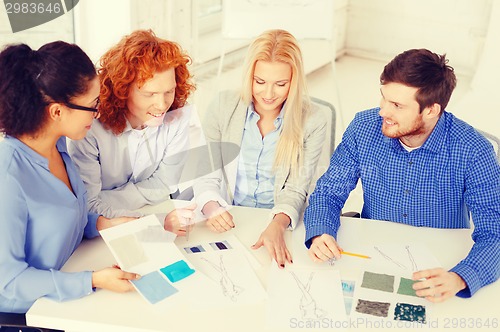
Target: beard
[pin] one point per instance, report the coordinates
(416, 128)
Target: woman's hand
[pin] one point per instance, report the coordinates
(273, 239)
(219, 219)
(114, 279)
(180, 220)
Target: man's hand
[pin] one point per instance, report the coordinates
(324, 248)
(439, 284)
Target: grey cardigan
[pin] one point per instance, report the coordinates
(224, 122)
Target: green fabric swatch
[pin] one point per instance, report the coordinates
(405, 287)
(409, 312)
(381, 282)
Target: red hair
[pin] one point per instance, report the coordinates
(136, 58)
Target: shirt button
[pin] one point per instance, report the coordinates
(411, 163)
(405, 215)
(407, 192)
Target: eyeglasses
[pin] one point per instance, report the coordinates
(84, 108)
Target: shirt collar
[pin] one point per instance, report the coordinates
(251, 113)
(433, 143)
(34, 156)
(142, 132)
(436, 139)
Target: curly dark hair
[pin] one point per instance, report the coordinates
(136, 58)
(31, 80)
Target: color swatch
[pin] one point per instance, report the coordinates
(128, 250)
(410, 312)
(381, 282)
(221, 245)
(177, 271)
(406, 287)
(195, 249)
(154, 287)
(379, 309)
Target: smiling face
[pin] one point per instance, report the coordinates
(148, 104)
(270, 87)
(400, 111)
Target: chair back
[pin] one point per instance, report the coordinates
(326, 153)
(494, 140)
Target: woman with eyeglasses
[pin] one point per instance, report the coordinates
(134, 154)
(46, 96)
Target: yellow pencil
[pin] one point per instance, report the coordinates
(353, 254)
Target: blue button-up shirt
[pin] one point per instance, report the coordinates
(255, 178)
(454, 173)
(41, 223)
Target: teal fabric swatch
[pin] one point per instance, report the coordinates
(154, 287)
(410, 312)
(406, 287)
(381, 282)
(177, 271)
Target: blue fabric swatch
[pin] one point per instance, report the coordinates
(177, 271)
(154, 287)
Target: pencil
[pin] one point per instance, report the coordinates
(353, 254)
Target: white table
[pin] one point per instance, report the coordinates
(108, 311)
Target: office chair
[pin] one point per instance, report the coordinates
(327, 150)
(494, 140)
(10, 322)
(331, 114)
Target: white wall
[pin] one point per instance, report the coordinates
(480, 105)
(100, 24)
(383, 28)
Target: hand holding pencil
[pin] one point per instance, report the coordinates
(180, 221)
(325, 248)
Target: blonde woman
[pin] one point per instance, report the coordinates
(280, 139)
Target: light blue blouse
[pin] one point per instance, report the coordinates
(41, 223)
(255, 176)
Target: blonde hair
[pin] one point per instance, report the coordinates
(281, 46)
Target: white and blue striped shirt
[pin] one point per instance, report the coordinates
(452, 175)
(255, 177)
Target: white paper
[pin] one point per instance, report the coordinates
(304, 297)
(226, 262)
(401, 259)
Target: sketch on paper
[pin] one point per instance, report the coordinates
(228, 287)
(414, 266)
(400, 265)
(307, 304)
(307, 295)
